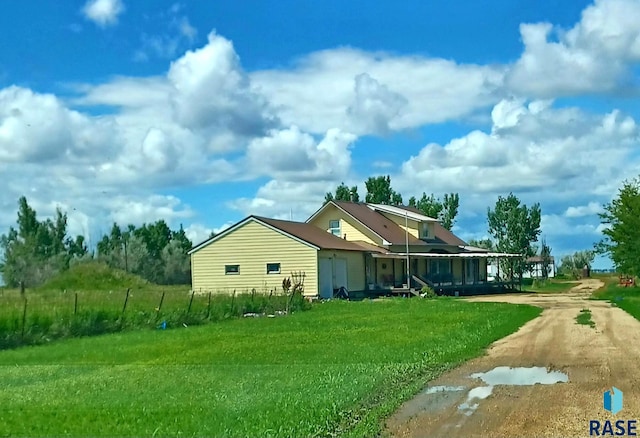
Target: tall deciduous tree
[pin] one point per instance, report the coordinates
(343, 193)
(379, 191)
(36, 250)
(483, 243)
(545, 257)
(444, 210)
(514, 228)
(572, 265)
(621, 218)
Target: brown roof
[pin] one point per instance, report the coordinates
(390, 231)
(313, 235)
(378, 223)
(446, 236)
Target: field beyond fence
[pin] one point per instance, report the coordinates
(41, 316)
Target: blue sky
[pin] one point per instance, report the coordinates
(203, 112)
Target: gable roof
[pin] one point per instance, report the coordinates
(381, 225)
(388, 230)
(303, 232)
(402, 211)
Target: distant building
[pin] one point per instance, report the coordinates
(534, 272)
(537, 269)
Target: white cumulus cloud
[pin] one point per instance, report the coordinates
(103, 12)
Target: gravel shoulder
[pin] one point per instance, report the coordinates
(594, 359)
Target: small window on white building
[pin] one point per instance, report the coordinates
(334, 228)
(231, 269)
(273, 268)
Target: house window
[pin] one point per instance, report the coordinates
(273, 268)
(231, 269)
(440, 266)
(334, 227)
(424, 228)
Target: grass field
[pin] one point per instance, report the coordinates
(335, 369)
(627, 298)
(550, 285)
(92, 299)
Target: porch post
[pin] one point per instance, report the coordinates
(464, 270)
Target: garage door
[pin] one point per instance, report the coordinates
(325, 278)
(340, 266)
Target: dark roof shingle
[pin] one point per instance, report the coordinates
(390, 231)
(314, 235)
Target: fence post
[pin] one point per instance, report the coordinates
(126, 299)
(24, 316)
(193, 292)
(161, 301)
(233, 299)
(75, 304)
(209, 306)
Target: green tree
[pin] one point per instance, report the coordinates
(444, 210)
(514, 228)
(545, 257)
(379, 191)
(343, 193)
(36, 250)
(572, 265)
(483, 243)
(621, 218)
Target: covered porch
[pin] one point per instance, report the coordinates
(445, 273)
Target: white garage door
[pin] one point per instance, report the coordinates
(340, 266)
(325, 278)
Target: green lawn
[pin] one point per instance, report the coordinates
(337, 368)
(627, 298)
(548, 286)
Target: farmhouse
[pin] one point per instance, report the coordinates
(362, 247)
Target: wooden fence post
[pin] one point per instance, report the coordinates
(161, 301)
(126, 299)
(75, 304)
(24, 316)
(209, 306)
(233, 299)
(193, 292)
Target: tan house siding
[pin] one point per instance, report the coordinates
(349, 226)
(252, 246)
(355, 267)
(400, 221)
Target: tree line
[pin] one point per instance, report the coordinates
(35, 250)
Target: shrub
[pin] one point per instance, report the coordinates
(427, 292)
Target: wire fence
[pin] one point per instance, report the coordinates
(28, 318)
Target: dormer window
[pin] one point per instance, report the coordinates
(424, 230)
(334, 228)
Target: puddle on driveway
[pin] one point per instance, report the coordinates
(432, 399)
(438, 398)
(509, 376)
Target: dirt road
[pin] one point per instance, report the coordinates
(592, 359)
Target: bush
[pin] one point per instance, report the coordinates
(537, 284)
(427, 292)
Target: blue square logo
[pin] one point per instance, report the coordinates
(613, 400)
